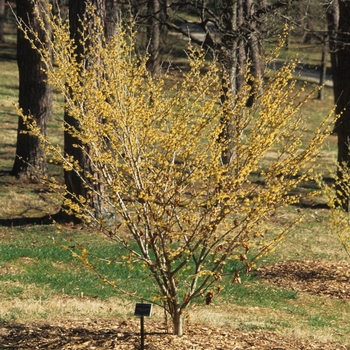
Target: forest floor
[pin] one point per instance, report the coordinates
(326, 279)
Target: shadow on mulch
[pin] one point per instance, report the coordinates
(318, 277)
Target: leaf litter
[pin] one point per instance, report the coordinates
(317, 277)
(122, 334)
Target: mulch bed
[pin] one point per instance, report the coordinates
(315, 277)
(121, 334)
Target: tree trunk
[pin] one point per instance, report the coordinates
(254, 48)
(111, 19)
(178, 324)
(35, 96)
(323, 74)
(231, 55)
(84, 180)
(74, 180)
(153, 35)
(239, 43)
(339, 29)
(2, 20)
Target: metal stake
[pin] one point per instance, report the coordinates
(142, 332)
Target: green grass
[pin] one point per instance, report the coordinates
(38, 257)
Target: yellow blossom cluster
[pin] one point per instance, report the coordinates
(154, 145)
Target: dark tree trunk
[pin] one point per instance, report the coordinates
(339, 29)
(83, 180)
(2, 20)
(153, 35)
(230, 56)
(111, 19)
(254, 46)
(323, 74)
(35, 97)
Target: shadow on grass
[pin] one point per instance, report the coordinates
(44, 220)
(63, 218)
(60, 217)
(8, 52)
(10, 87)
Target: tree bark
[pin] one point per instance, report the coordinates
(232, 58)
(84, 181)
(73, 180)
(339, 29)
(320, 95)
(254, 47)
(239, 43)
(178, 324)
(2, 20)
(35, 96)
(111, 19)
(153, 35)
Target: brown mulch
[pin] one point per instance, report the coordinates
(124, 334)
(318, 277)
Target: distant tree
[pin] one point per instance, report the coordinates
(148, 17)
(234, 31)
(171, 205)
(338, 194)
(2, 20)
(339, 33)
(35, 94)
(111, 19)
(153, 35)
(73, 145)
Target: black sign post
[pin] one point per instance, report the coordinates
(142, 310)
